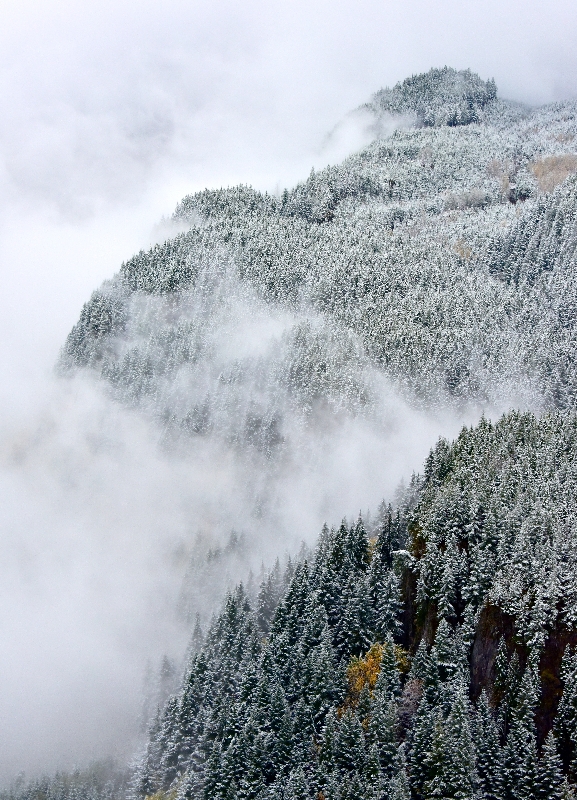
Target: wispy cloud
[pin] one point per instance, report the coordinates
(110, 114)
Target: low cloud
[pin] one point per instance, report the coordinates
(110, 114)
(100, 520)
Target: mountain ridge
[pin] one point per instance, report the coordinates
(429, 653)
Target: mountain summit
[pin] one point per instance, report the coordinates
(438, 97)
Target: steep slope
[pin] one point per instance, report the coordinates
(425, 658)
(388, 260)
(429, 653)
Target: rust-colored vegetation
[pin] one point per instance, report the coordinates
(551, 171)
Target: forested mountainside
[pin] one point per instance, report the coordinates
(430, 652)
(104, 780)
(439, 97)
(442, 256)
(431, 656)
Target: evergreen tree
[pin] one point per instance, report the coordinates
(426, 744)
(459, 767)
(349, 748)
(566, 721)
(297, 785)
(434, 770)
(550, 772)
(521, 746)
(388, 683)
(381, 733)
(489, 752)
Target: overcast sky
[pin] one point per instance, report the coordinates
(110, 111)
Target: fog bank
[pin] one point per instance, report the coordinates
(109, 116)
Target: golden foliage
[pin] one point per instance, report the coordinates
(160, 795)
(501, 170)
(363, 672)
(462, 250)
(402, 658)
(551, 171)
(372, 545)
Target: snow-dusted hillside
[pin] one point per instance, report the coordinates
(428, 652)
(398, 260)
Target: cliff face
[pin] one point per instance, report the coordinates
(495, 627)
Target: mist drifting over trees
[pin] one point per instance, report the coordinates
(276, 355)
(284, 345)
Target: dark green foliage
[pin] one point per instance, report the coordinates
(489, 752)
(281, 697)
(550, 772)
(517, 472)
(257, 715)
(543, 242)
(104, 780)
(408, 257)
(566, 723)
(103, 317)
(408, 263)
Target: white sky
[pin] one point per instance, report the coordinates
(110, 111)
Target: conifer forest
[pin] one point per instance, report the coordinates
(427, 649)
